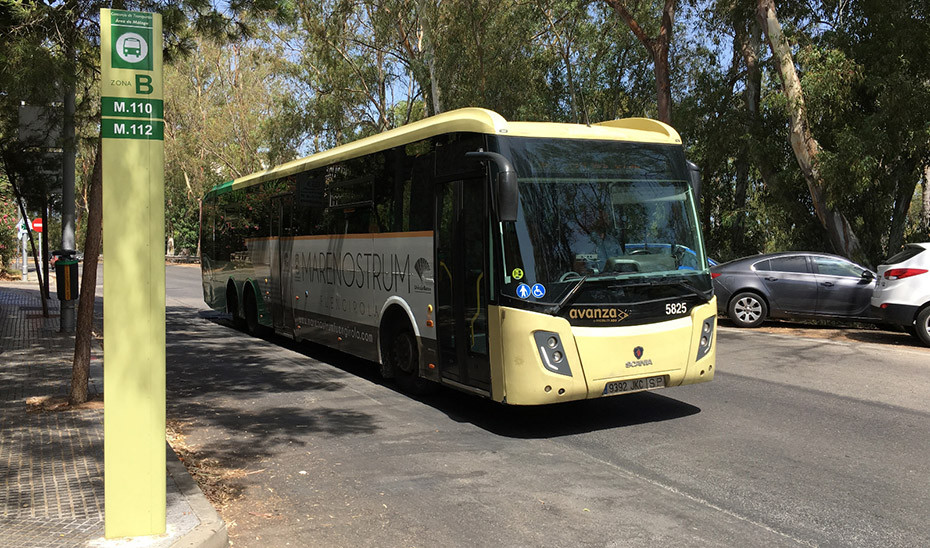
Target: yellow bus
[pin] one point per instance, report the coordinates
(530, 263)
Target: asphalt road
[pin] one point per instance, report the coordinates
(798, 441)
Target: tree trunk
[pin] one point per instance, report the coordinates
(32, 243)
(805, 147)
(748, 44)
(658, 48)
(905, 183)
(428, 14)
(44, 238)
(925, 210)
(80, 370)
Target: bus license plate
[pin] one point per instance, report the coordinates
(634, 385)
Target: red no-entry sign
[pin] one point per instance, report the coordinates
(37, 224)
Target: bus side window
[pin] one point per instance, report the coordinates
(208, 228)
(309, 202)
(421, 190)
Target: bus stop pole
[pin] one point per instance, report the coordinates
(132, 131)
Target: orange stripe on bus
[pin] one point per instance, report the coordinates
(384, 235)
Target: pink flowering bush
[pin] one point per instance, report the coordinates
(8, 219)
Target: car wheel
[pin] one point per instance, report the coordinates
(747, 309)
(922, 325)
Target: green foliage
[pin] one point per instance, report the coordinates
(268, 80)
(9, 217)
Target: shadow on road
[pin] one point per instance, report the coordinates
(517, 422)
(221, 381)
(564, 419)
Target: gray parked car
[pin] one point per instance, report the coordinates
(793, 285)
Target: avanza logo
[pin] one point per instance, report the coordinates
(598, 314)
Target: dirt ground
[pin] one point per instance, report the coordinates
(865, 333)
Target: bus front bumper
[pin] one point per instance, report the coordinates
(596, 361)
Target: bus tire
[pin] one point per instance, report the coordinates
(404, 362)
(404, 356)
(232, 306)
(251, 313)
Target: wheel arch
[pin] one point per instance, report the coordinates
(394, 311)
(920, 309)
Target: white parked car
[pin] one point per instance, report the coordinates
(902, 294)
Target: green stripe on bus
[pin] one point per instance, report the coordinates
(222, 188)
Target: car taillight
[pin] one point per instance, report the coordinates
(715, 275)
(901, 273)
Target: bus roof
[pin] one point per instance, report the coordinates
(466, 120)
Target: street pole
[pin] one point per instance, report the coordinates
(67, 319)
(22, 238)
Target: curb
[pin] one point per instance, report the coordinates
(211, 533)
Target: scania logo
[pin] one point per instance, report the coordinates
(638, 353)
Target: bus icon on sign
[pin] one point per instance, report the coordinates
(132, 47)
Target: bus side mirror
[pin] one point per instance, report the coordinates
(694, 176)
(508, 195)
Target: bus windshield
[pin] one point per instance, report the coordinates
(600, 210)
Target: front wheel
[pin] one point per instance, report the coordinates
(404, 355)
(404, 363)
(747, 309)
(922, 325)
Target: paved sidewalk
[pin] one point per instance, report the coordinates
(51, 463)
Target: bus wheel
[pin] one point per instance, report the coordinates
(405, 365)
(251, 314)
(232, 307)
(404, 355)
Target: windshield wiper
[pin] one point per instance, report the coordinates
(665, 280)
(703, 295)
(556, 309)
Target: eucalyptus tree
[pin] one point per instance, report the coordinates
(45, 44)
(225, 117)
(657, 39)
(876, 107)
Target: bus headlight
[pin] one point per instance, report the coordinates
(552, 353)
(707, 338)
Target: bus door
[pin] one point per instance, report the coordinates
(462, 282)
(282, 309)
